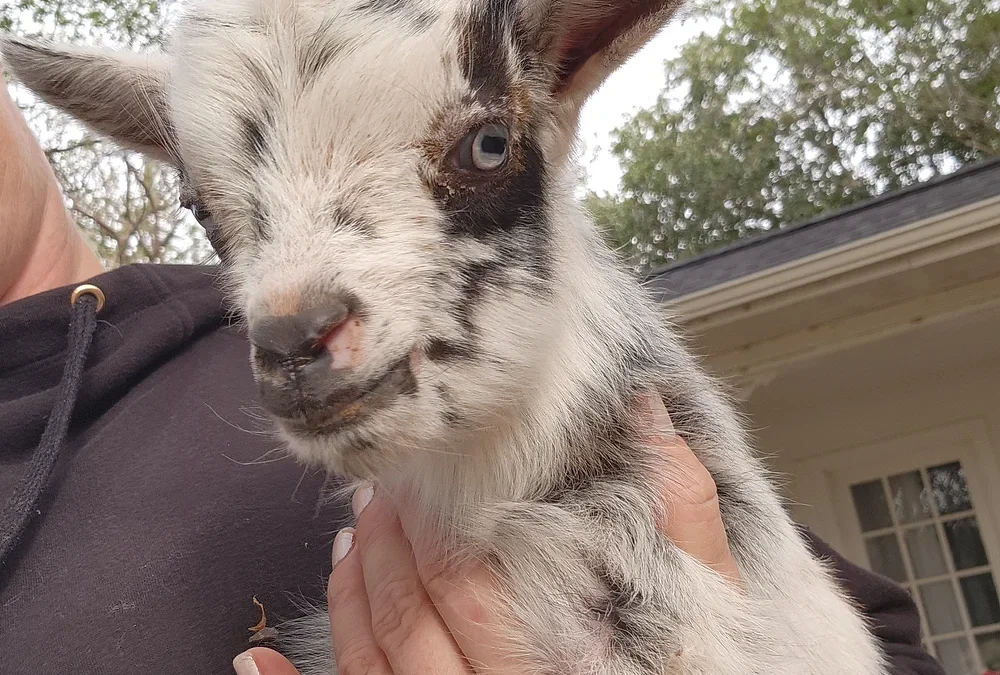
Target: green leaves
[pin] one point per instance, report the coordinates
(797, 107)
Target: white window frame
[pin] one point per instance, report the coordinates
(821, 485)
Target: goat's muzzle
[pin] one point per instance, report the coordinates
(306, 370)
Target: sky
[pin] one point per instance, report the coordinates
(634, 86)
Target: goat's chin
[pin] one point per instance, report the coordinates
(342, 452)
(367, 449)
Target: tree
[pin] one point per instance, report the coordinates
(796, 107)
(126, 205)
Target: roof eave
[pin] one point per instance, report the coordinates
(935, 238)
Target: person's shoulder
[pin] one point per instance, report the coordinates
(196, 288)
(181, 311)
(154, 298)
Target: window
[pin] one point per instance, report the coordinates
(921, 529)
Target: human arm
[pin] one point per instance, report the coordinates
(40, 248)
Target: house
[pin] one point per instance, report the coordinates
(865, 347)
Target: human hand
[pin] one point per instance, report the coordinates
(692, 517)
(393, 613)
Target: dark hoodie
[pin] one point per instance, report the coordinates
(163, 516)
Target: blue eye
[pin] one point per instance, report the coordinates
(483, 150)
(489, 147)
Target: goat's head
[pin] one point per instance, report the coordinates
(379, 178)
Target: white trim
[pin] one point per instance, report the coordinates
(930, 233)
(774, 353)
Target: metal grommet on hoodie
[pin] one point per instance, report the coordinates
(88, 289)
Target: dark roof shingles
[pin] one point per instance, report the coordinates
(875, 216)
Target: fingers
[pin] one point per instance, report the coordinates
(354, 643)
(381, 618)
(262, 661)
(693, 520)
(464, 597)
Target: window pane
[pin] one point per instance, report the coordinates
(870, 505)
(939, 603)
(989, 650)
(966, 546)
(885, 557)
(925, 552)
(956, 657)
(951, 494)
(909, 501)
(981, 599)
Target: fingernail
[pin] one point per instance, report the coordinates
(342, 545)
(661, 418)
(362, 496)
(245, 665)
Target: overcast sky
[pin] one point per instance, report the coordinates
(636, 85)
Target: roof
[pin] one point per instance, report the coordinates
(940, 195)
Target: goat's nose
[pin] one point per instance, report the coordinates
(298, 336)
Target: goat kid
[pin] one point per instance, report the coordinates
(389, 185)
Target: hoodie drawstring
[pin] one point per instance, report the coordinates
(86, 301)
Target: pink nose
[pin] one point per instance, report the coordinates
(298, 336)
(306, 363)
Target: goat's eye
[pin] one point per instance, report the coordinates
(485, 149)
(489, 148)
(204, 218)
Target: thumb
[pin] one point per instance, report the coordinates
(692, 516)
(263, 661)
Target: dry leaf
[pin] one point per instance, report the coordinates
(263, 617)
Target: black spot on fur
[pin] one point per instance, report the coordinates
(258, 219)
(483, 53)
(439, 349)
(388, 6)
(212, 23)
(317, 53)
(418, 17)
(601, 469)
(736, 507)
(612, 454)
(315, 58)
(408, 381)
(252, 136)
(359, 446)
(629, 638)
(476, 279)
(344, 219)
(264, 80)
(451, 416)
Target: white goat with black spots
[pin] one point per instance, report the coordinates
(390, 187)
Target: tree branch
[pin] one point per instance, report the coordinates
(87, 143)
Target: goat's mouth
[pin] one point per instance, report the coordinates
(311, 415)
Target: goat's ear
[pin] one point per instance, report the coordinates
(586, 40)
(119, 95)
